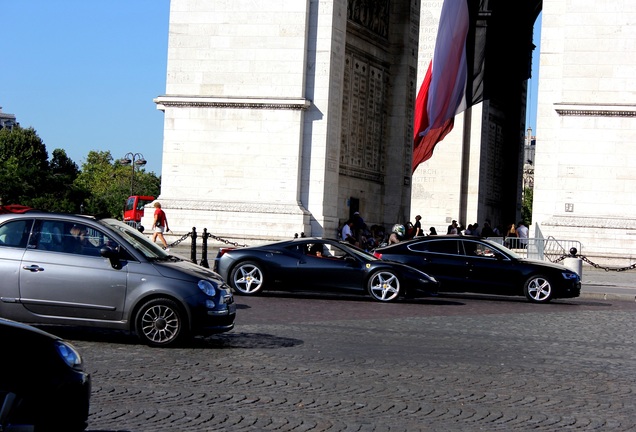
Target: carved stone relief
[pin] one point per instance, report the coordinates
(370, 14)
(363, 118)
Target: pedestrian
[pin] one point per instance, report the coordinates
(160, 225)
(522, 233)
(418, 226)
(397, 234)
(487, 231)
(347, 233)
(359, 230)
(510, 237)
(432, 231)
(453, 228)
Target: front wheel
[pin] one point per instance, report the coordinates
(160, 323)
(384, 286)
(247, 278)
(538, 289)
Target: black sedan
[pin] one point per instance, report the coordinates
(316, 264)
(476, 265)
(43, 385)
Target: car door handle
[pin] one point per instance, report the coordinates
(33, 268)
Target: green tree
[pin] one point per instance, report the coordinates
(526, 206)
(24, 165)
(106, 184)
(60, 194)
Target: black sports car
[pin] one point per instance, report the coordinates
(43, 385)
(473, 264)
(317, 264)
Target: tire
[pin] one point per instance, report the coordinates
(538, 289)
(247, 278)
(384, 286)
(160, 323)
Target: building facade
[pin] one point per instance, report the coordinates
(287, 117)
(7, 121)
(585, 169)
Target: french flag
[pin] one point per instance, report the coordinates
(450, 85)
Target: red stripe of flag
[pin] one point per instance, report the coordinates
(443, 92)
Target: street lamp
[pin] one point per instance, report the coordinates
(133, 159)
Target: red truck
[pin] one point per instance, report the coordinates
(134, 210)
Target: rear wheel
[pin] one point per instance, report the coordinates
(160, 322)
(538, 289)
(247, 278)
(384, 286)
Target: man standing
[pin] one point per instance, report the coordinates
(452, 228)
(522, 233)
(418, 226)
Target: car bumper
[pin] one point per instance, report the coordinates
(571, 290)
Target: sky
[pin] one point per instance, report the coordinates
(84, 73)
(533, 82)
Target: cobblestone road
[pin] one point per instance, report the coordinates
(344, 364)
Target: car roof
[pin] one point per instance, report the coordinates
(41, 214)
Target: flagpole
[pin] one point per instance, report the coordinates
(465, 168)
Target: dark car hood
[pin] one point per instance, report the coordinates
(546, 264)
(17, 328)
(177, 268)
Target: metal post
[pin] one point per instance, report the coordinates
(193, 246)
(204, 249)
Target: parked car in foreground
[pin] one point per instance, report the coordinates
(80, 271)
(43, 384)
(315, 264)
(477, 265)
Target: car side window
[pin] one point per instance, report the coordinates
(472, 248)
(69, 237)
(442, 246)
(15, 233)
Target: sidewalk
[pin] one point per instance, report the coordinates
(608, 285)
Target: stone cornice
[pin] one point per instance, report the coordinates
(236, 103)
(588, 222)
(595, 110)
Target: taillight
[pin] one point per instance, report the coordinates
(378, 255)
(222, 251)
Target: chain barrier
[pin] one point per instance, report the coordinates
(595, 265)
(222, 240)
(185, 236)
(212, 236)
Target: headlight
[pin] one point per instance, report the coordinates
(207, 287)
(568, 275)
(69, 354)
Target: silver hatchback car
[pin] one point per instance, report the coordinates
(81, 271)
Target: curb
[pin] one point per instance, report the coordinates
(608, 296)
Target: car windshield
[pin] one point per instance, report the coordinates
(136, 239)
(360, 253)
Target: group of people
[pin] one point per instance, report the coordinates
(356, 232)
(515, 236)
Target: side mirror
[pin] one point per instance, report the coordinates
(113, 256)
